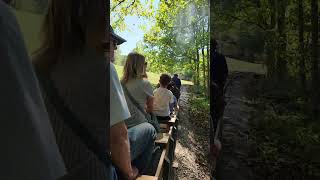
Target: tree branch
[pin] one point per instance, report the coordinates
(120, 2)
(131, 4)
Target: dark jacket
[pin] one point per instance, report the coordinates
(177, 81)
(218, 69)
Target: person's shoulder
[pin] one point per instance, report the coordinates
(156, 90)
(169, 92)
(145, 80)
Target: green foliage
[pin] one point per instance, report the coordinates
(173, 44)
(285, 143)
(199, 110)
(180, 31)
(122, 8)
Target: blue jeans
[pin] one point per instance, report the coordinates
(172, 105)
(113, 174)
(141, 139)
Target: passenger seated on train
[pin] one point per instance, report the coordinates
(28, 144)
(71, 57)
(119, 142)
(139, 96)
(162, 99)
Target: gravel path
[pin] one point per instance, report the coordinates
(232, 162)
(191, 146)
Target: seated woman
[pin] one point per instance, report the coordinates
(162, 98)
(141, 133)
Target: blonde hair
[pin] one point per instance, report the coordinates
(134, 67)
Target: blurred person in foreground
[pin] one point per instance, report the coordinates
(29, 150)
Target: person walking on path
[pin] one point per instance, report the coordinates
(177, 81)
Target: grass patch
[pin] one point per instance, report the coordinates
(285, 142)
(243, 66)
(152, 77)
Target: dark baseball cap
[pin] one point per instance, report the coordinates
(116, 37)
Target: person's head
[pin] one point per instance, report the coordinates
(145, 70)
(111, 46)
(175, 75)
(165, 80)
(214, 44)
(134, 67)
(69, 27)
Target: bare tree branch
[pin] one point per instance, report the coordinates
(120, 2)
(131, 4)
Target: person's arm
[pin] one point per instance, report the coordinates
(120, 150)
(119, 142)
(147, 88)
(225, 70)
(179, 83)
(149, 103)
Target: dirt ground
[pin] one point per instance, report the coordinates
(232, 163)
(191, 149)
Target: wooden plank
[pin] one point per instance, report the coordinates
(145, 177)
(164, 139)
(173, 120)
(161, 161)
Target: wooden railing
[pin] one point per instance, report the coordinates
(166, 166)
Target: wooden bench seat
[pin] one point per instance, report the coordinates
(145, 177)
(165, 137)
(168, 144)
(161, 162)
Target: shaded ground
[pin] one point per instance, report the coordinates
(191, 149)
(232, 163)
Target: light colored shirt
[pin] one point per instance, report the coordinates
(118, 106)
(28, 144)
(162, 98)
(140, 89)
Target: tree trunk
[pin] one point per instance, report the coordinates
(208, 70)
(195, 72)
(204, 62)
(281, 64)
(302, 69)
(270, 45)
(198, 67)
(204, 71)
(314, 59)
(210, 35)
